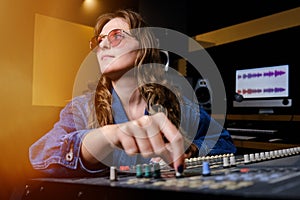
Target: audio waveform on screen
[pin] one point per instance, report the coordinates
(264, 90)
(274, 73)
(263, 82)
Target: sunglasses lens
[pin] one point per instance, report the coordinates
(115, 37)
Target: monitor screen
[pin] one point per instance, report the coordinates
(263, 86)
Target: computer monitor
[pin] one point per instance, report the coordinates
(264, 88)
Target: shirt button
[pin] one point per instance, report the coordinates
(69, 156)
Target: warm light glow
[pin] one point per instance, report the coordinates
(89, 4)
(263, 25)
(60, 47)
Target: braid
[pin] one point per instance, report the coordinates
(103, 100)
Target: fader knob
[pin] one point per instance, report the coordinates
(113, 173)
(138, 171)
(225, 162)
(232, 161)
(156, 170)
(205, 168)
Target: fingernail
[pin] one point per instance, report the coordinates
(179, 172)
(180, 169)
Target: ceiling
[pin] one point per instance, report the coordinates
(215, 14)
(194, 17)
(267, 24)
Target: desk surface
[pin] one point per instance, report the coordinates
(267, 177)
(261, 145)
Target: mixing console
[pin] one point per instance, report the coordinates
(263, 175)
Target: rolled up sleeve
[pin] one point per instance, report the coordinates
(58, 151)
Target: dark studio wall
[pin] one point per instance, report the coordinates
(275, 48)
(279, 47)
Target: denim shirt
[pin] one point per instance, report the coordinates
(57, 153)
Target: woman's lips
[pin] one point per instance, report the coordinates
(104, 57)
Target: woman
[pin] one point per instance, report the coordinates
(135, 116)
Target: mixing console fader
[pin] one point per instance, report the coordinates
(262, 175)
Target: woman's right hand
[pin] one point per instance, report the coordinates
(150, 136)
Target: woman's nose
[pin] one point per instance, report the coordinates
(104, 44)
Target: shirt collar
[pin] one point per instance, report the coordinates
(119, 113)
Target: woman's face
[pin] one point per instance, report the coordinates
(115, 60)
